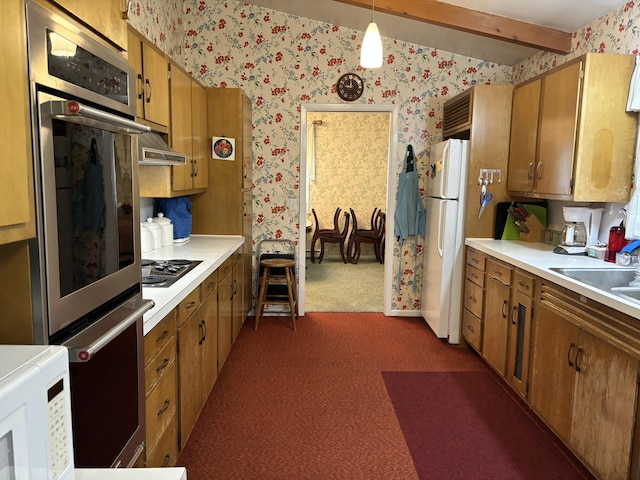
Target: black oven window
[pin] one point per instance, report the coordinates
(72, 63)
(94, 197)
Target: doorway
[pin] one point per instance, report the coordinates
(306, 121)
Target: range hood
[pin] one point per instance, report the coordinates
(153, 150)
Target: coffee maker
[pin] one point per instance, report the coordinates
(581, 229)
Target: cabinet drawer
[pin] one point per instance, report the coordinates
(161, 406)
(225, 268)
(476, 259)
(188, 305)
(523, 283)
(209, 285)
(158, 367)
(473, 298)
(159, 336)
(499, 271)
(472, 329)
(165, 452)
(475, 275)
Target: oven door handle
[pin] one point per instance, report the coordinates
(84, 354)
(76, 111)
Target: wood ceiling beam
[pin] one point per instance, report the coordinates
(473, 21)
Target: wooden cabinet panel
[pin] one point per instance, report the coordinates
(584, 147)
(105, 17)
(197, 346)
(188, 305)
(552, 369)
(165, 452)
(225, 313)
(157, 368)
(496, 324)
(17, 214)
(473, 298)
(236, 292)
(181, 128)
(472, 329)
(161, 406)
(524, 136)
(476, 259)
(475, 276)
(200, 142)
(152, 80)
(517, 373)
(604, 404)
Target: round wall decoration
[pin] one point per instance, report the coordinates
(350, 87)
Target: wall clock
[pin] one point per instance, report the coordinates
(350, 87)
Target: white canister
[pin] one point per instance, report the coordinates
(146, 240)
(166, 227)
(156, 233)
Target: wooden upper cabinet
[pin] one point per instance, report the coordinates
(106, 17)
(524, 136)
(571, 138)
(152, 81)
(17, 214)
(181, 128)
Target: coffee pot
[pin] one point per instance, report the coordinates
(581, 229)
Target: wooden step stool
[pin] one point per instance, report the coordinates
(277, 272)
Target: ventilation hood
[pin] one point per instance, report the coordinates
(153, 150)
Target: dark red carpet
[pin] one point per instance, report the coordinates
(463, 425)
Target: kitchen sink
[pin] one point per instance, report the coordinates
(606, 278)
(613, 280)
(632, 293)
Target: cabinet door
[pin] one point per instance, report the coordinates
(237, 292)
(190, 380)
(524, 136)
(134, 56)
(181, 128)
(225, 316)
(496, 324)
(16, 207)
(200, 143)
(552, 369)
(156, 85)
(519, 342)
(557, 130)
(104, 16)
(604, 405)
(209, 345)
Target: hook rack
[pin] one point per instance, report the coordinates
(486, 176)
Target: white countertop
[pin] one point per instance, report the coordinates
(170, 473)
(538, 258)
(212, 250)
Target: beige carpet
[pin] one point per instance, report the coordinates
(332, 286)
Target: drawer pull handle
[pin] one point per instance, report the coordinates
(473, 275)
(514, 318)
(571, 348)
(471, 329)
(190, 305)
(473, 299)
(164, 408)
(505, 308)
(203, 329)
(167, 460)
(163, 336)
(163, 365)
(524, 285)
(497, 273)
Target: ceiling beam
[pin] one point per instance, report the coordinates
(473, 21)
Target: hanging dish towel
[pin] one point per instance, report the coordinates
(410, 214)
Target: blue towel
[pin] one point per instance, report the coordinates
(178, 210)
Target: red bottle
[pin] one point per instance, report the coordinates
(616, 243)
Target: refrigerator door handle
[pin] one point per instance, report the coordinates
(444, 178)
(441, 225)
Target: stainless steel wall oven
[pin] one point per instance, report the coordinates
(86, 268)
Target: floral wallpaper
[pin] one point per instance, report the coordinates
(281, 61)
(351, 169)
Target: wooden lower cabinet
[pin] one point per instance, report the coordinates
(583, 386)
(496, 315)
(161, 394)
(518, 353)
(197, 349)
(472, 313)
(225, 311)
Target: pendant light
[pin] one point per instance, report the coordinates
(371, 53)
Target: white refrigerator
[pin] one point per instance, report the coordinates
(441, 304)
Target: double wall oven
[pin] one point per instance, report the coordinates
(86, 268)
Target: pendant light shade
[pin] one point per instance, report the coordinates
(371, 54)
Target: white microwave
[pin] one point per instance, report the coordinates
(36, 440)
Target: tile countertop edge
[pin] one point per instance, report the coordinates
(538, 258)
(212, 250)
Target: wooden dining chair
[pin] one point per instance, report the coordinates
(373, 235)
(330, 235)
